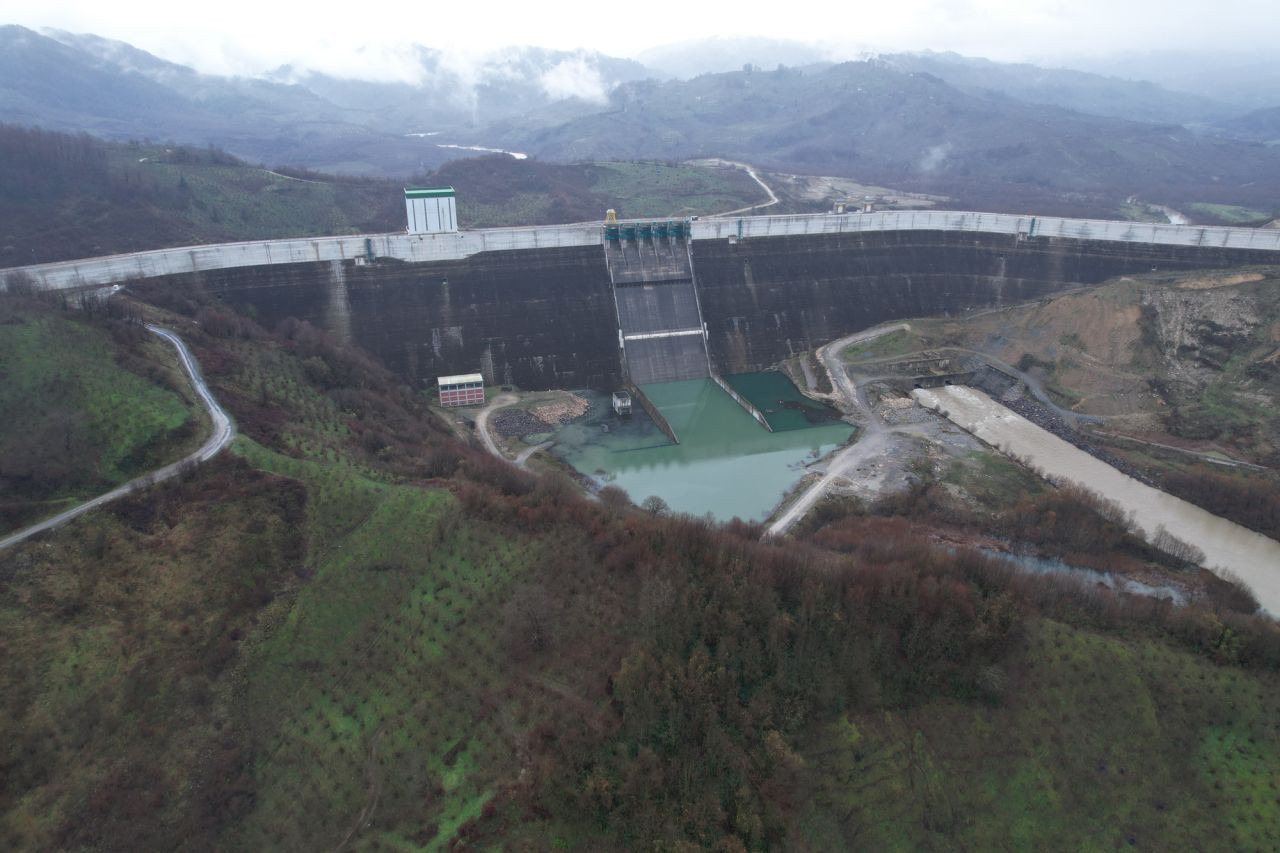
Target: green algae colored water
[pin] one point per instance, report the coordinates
(726, 464)
(780, 401)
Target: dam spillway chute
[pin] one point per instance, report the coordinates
(666, 359)
(660, 326)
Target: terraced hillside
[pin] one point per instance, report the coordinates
(86, 406)
(356, 629)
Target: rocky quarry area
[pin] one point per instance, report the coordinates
(1217, 353)
(1198, 331)
(539, 419)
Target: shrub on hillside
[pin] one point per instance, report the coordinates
(1250, 500)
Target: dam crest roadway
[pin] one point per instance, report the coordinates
(422, 248)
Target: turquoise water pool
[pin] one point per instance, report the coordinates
(726, 464)
(780, 401)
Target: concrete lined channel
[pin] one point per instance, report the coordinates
(1252, 557)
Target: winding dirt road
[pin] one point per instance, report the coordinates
(523, 459)
(755, 176)
(482, 422)
(482, 427)
(873, 436)
(1034, 385)
(223, 431)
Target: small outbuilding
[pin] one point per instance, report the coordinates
(430, 210)
(464, 389)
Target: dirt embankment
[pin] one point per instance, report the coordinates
(808, 192)
(1190, 358)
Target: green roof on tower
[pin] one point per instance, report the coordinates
(428, 192)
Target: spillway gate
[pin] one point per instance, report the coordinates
(660, 329)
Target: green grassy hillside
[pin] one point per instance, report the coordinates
(1228, 214)
(84, 406)
(498, 190)
(64, 196)
(1103, 741)
(355, 631)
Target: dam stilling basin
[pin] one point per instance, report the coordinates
(726, 463)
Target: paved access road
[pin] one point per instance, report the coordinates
(223, 431)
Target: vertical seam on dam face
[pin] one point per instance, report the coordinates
(539, 317)
(338, 305)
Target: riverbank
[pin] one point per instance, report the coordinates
(1253, 558)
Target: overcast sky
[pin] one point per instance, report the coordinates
(368, 38)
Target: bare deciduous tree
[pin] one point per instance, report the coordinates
(1177, 548)
(529, 621)
(655, 506)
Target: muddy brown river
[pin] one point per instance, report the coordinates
(1226, 545)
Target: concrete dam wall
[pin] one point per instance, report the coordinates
(548, 317)
(765, 299)
(536, 318)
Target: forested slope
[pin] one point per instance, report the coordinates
(71, 196)
(357, 629)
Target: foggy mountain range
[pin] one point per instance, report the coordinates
(934, 122)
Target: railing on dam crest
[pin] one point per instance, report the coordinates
(990, 223)
(423, 248)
